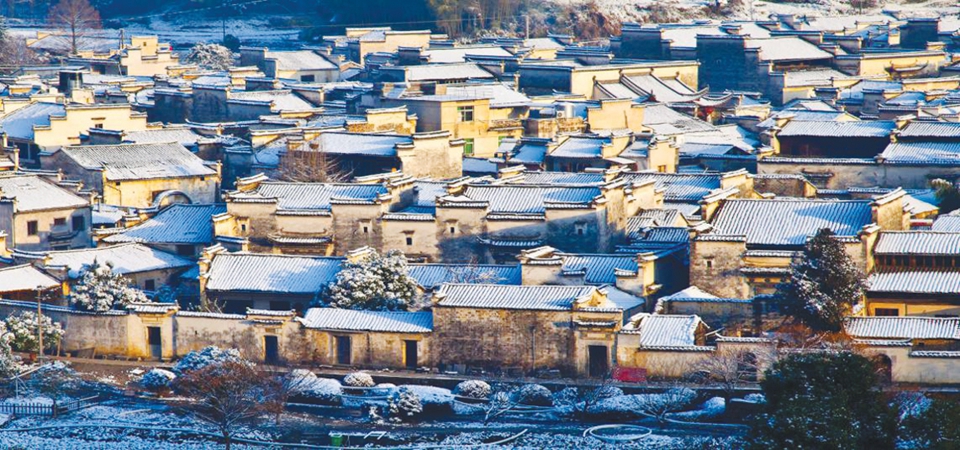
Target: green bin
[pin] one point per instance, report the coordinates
(336, 440)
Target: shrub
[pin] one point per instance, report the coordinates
(322, 390)
(211, 355)
(23, 329)
(358, 379)
(404, 404)
(533, 395)
(473, 389)
(157, 380)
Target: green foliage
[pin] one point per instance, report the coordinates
(937, 427)
(827, 400)
(947, 194)
(23, 331)
(823, 285)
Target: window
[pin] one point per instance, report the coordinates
(709, 264)
(466, 113)
(60, 222)
(32, 229)
(150, 285)
(886, 312)
(580, 229)
(308, 78)
(662, 169)
(98, 125)
(453, 230)
(79, 223)
(468, 146)
(243, 227)
(409, 240)
(185, 250)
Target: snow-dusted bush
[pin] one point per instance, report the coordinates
(358, 379)
(711, 408)
(473, 389)
(754, 398)
(404, 404)
(23, 331)
(9, 363)
(210, 56)
(199, 359)
(157, 380)
(659, 405)
(322, 390)
(374, 282)
(54, 379)
(533, 394)
(430, 395)
(100, 289)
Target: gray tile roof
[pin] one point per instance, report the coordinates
(924, 129)
(580, 147)
(926, 153)
(25, 277)
(177, 224)
(658, 330)
(125, 258)
(563, 178)
(376, 321)
(903, 327)
(268, 273)
(430, 276)
(458, 54)
(312, 196)
(947, 222)
(499, 94)
(19, 123)
(863, 128)
(184, 136)
(782, 49)
(139, 161)
(530, 199)
(440, 72)
(946, 282)
(680, 187)
(33, 193)
(918, 243)
(383, 145)
(300, 60)
(600, 268)
(281, 100)
(488, 296)
(790, 222)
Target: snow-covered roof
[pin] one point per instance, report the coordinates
(25, 277)
(183, 135)
(430, 276)
(439, 72)
(947, 222)
(925, 281)
(599, 268)
(664, 331)
(19, 123)
(177, 224)
(530, 199)
(125, 259)
(500, 95)
(850, 129)
(376, 321)
(789, 221)
(279, 274)
(783, 49)
(903, 327)
(566, 178)
(490, 296)
(459, 54)
(311, 196)
(300, 60)
(34, 193)
(918, 243)
(139, 161)
(925, 153)
(282, 100)
(679, 187)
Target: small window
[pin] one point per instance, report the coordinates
(150, 285)
(243, 227)
(32, 229)
(185, 250)
(886, 312)
(60, 222)
(709, 264)
(453, 230)
(98, 125)
(79, 223)
(366, 229)
(409, 240)
(117, 184)
(580, 229)
(466, 113)
(468, 146)
(662, 169)
(203, 178)
(308, 78)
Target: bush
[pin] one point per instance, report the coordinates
(533, 395)
(23, 330)
(358, 379)
(325, 391)
(157, 380)
(200, 359)
(404, 404)
(473, 389)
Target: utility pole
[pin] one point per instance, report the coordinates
(223, 22)
(39, 324)
(526, 33)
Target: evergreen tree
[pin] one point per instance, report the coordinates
(823, 285)
(100, 290)
(828, 400)
(947, 194)
(375, 282)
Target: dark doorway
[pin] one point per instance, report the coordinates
(884, 368)
(343, 350)
(599, 361)
(155, 342)
(271, 350)
(410, 354)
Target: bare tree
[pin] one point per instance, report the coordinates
(660, 405)
(731, 369)
(279, 389)
(309, 164)
(225, 395)
(75, 19)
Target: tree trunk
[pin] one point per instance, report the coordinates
(226, 441)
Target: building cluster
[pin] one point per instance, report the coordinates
(563, 207)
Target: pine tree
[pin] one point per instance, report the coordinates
(823, 286)
(947, 194)
(374, 283)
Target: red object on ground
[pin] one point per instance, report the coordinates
(630, 374)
